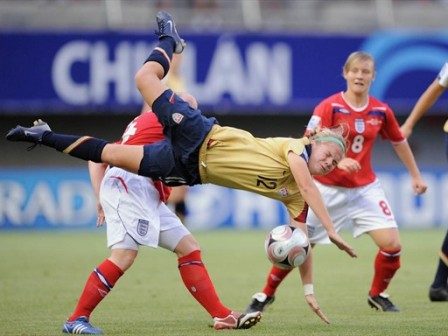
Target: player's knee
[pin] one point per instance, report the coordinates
(397, 246)
(187, 245)
(393, 246)
(110, 155)
(123, 258)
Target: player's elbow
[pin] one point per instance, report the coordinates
(306, 189)
(139, 79)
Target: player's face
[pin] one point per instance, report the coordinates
(325, 156)
(359, 76)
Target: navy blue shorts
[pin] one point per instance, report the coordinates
(175, 161)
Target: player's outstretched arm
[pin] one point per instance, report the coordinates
(312, 196)
(314, 305)
(405, 154)
(308, 288)
(424, 103)
(96, 172)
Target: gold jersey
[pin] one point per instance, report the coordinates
(234, 158)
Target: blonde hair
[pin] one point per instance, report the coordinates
(355, 56)
(337, 134)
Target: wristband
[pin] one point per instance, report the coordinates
(308, 289)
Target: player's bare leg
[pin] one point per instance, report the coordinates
(158, 63)
(123, 156)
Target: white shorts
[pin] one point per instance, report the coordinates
(135, 215)
(366, 208)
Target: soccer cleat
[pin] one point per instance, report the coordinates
(259, 302)
(31, 134)
(438, 294)
(237, 321)
(80, 326)
(167, 27)
(381, 302)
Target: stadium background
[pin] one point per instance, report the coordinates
(258, 65)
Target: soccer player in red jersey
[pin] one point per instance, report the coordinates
(134, 208)
(352, 192)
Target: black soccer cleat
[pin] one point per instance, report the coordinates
(438, 294)
(33, 134)
(237, 320)
(167, 27)
(259, 302)
(381, 302)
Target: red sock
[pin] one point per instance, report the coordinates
(275, 278)
(386, 264)
(198, 282)
(100, 282)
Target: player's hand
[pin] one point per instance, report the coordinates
(349, 165)
(312, 302)
(342, 245)
(419, 186)
(100, 220)
(312, 132)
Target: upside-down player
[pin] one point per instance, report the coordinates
(134, 210)
(197, 150)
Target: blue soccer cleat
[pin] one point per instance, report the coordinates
(167, 27)
(80, 326)
(33, 134)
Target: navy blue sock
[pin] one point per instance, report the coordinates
(82, 147)
(441, 277)
(166, 44)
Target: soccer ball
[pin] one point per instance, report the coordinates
(286, 246)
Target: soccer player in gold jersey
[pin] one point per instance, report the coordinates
(197, 150)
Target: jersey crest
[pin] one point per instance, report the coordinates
(177, 117)
(283, 192)
(360, 126)
(142, 227)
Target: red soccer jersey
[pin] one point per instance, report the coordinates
(364, 125)
(143, 130)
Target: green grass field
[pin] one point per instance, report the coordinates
(42, 275)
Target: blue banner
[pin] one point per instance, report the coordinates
(33, 199)
(93, 72)
(38, 198)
